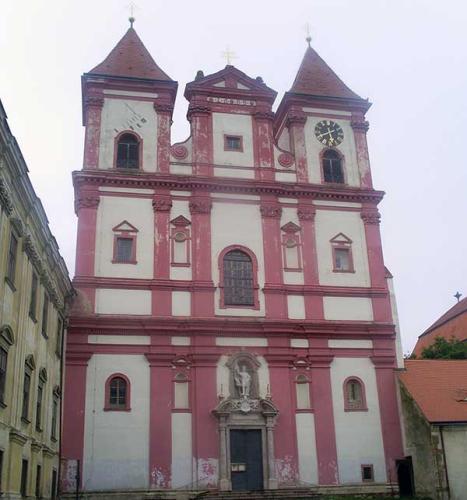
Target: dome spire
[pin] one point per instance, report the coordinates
(307, 28)
(132, 7)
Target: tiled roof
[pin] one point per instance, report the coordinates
(315, 77)
(438, 386)
(130, 58)
(459, 308)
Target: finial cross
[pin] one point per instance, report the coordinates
(132, 7)
(458, 296)
(307, 28)
(229, 55)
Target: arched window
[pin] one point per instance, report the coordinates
(332, 167)
(354, 395)
(128, 152)
(238, 279)
(117, 393)
(303, 392)
(181, 394)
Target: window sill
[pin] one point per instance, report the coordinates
(53, 439)
(292, 270)
(355, 409)
(304, 410)
(38, 429)
(116, 409)
(181, 410)
(179, 264)
(31, 315)
(253, 308)
(134, 262)
(3, 405)
(25, 420)
(44, 334)
(351, 271)
(10, 283)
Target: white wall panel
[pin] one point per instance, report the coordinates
(181, 303)
(296, 306)
(307, 457)
(113, 301)
(182, 453)
(348, 308)
(241, 125)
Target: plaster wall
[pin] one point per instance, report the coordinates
(348, 308)
(296, 306)
(114, 301)
(358, 433)
(306, 441)
(328, 224)
(299, 343)
(117, 116)
(346, 148)
(351, 344)
(181, 303)
(395, 319)
(116, 443)
(119, 339)
(112, 211)
(182, 453)
(180, 207)
(455, 445)
(239, 125)
(236, 224)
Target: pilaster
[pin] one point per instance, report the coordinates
(360, 128)
(201, 132)
(164, 117)
(296, 124)
(93, 104)
(264, 144)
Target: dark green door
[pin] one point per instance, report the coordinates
(246, 459)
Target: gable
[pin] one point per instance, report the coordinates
(125, 226)
(341, 238)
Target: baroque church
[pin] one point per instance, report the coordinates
(235, 326)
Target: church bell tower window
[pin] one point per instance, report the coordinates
(332, 167)
(233, 143)
(128, 151)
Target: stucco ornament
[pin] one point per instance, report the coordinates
(242, 381)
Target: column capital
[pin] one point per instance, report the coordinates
(295, 119)
(201, 206)
(360, 125)
(271, 210)
(198, 110)
(306, 213)
(161, 204)
(323, 361)
(93, 101)
(163, 108)
(371, 217)
(385, 362)
(78, 358)
(160, 359)
(87, 200)
(264, 115)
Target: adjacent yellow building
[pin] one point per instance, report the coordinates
(35, 293)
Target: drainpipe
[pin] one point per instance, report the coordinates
(445, 464)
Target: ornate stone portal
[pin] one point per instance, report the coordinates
(245, 409)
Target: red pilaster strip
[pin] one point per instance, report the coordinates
(296, 124)
(93, 112)
(390, 423)
(381, 305)
(203, 296)
(161, 298)
(160, 423)
(325, 431)
(164, 115)
(360, 128)
(275, 298)
(74, 406)
(201, 133)
(314, 308)
(264, 146)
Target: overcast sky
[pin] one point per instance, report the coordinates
(408, 57)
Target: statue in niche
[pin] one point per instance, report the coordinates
(242, 381)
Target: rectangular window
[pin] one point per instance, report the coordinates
(233, 143)
(124, 250)
(58, 346)
(54, 485)
(26, 392)
(1, 471)
(342, 256)
(24, 478)
(54, 418)
(38, 481)
(3, 365)
(45, 315)
(367, 473)
(11, 265)
(33, 299)
(40, 392)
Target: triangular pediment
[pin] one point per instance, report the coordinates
(229, 79)
(125, 226)
(290, 227)
(341, 238)
(180, 221)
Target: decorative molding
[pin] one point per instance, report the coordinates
(18, 225)
(290, 227)
(94, 101)
(264, 115)
(286, 160)
(194, 110)
(87, 201)
(6, 200)
(371, 217)
(293, 119)
(180, 221)
(226, 100)
(271, 211)
(307, 213)
(163, 108)
(31, 251)
(360, 126)
(201, 206)
(18, 438)
(161, 205)
(179, 151)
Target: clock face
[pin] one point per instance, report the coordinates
(329, 133)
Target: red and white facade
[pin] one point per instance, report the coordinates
(160, 320)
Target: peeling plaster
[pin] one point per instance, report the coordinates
(159, 479)
(286, 471)
(207, 472)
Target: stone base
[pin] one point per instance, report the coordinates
(272, 484)
(224, 485)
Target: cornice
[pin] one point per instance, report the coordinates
(226, 185)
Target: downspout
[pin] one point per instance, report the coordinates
(445, 464)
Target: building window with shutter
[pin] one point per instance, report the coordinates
(354, 395)
(367, 473)
(29, 367)
(40, 398)
(128, 151)
(332, 164)
(117, 393)
(341, 247)
(124, 243)
(233, 143)
(24, 478)
(3, 367)
(238, 278)
(33, 297)
(11, 263)
(6, 341)
(45, 316)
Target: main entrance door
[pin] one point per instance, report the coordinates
(246, 459)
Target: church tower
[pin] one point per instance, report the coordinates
(234, 327)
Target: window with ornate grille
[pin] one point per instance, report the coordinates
(124, 250)
(238, 279)
(117, 393)
(128, 152)
(332, 167)
(11, 264)
(354, 394)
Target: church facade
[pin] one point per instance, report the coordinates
(235, 326)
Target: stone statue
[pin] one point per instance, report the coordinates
(242, 380)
